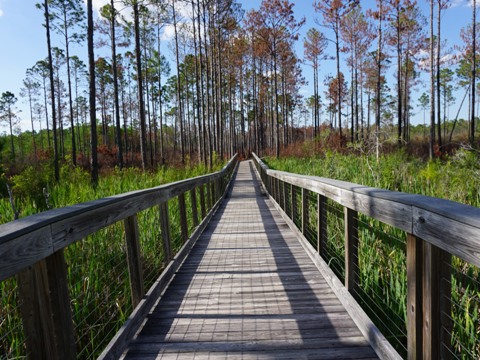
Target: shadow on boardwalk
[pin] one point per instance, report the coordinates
(248, 290)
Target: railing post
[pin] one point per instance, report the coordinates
(321, 224)
(203, 210)
(293, 202)
(165, 228)
(305, 209)
(284, 196)
(436, 300)
(45, 308)
(183, 217)
(351, 250)
(209, 196)
(414, 297)
(134, 259)
(193, 201)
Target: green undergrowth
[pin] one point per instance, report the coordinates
(381, 269)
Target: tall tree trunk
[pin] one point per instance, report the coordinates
(432, 84)
(474, 74)
(70, 101)
(115, 86)
(378, 84)
(52, 94)
(93, 117)
(339, 82)
(179, 98)
(399, 77)
(141, 103)
(439, 119)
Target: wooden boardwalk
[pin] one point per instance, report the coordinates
(248, 290)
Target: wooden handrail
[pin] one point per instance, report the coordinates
(436, 229)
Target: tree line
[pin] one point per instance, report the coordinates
(234, 85)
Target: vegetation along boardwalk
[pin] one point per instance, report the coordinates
(249, 290)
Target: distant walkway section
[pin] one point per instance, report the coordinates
(248, 290)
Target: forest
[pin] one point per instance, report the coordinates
(235, 84)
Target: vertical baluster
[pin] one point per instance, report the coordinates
(183, 217)
(321, 224)
(45, 309)
(134, 259)
(165, 228)
(305, 209)
(203, 209)
(414, 297)
(351, 250)
(193, 201)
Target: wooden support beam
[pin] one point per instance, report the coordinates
(321, 224)
(203, 209)
(193, 201)
(183, 217)
(293, 203)
(134, 259)
(305, 210)
(351, 250)
(165, 228)
(45, 309)
(209, 196)
(414, 297)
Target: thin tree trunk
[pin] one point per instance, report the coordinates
(141, 103)
(115, 87)
(93, 117)
(52, 92)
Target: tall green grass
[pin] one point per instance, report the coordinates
(381, 253)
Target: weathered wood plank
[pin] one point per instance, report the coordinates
(414, 297)
(132, 240)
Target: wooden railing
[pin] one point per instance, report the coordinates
(430, 230)
(32, 251)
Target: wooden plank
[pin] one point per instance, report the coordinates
(183, 217)
(132, 240)
(45, 309)
(431, 301)
(37, 322)
(305, 209)
(351, 251)
(165, 229)
(24, 251)
(414, 297)
(193, 202)
(202, 201)
(60, 310)
(321, 224)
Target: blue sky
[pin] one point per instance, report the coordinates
(22, 41)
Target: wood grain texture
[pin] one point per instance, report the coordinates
(248, 290)
(414, 297)
(132, 240)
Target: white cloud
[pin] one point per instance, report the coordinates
(456, 3)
